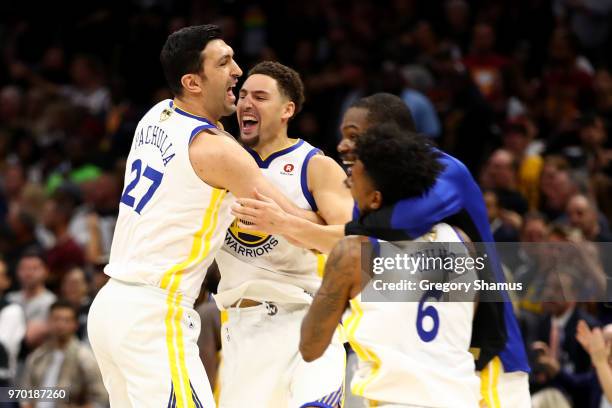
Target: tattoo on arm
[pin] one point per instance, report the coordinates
(332, 298)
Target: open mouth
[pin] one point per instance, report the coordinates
(230, 93)
(348, 159)
(248, 123)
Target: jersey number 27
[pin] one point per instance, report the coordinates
(150, 173)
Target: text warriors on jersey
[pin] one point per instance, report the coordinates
(249, 243)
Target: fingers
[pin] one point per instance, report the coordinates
(247, 227)
(540, 346)
(262, 197)
(250, 202)
(241, 211)
(583, 331)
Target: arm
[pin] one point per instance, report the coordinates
(333, 199)
(593, 342)
(340, 283)
(209, 341)
(221, 162)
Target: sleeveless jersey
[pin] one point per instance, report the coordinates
(406, 355)
(266, 267)
(170, 222)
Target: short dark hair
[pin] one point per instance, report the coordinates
(63, 304)
(386, 108)
(289, 82)
(401, 163)
(181, 54)
(34, 251)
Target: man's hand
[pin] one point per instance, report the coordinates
(593, 342)
(260, 214)
(545, 359)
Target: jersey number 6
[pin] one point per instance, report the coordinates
(150, 173)
(432, 313)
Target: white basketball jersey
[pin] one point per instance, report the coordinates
(265, 267)
(406, 356)
(170, 222)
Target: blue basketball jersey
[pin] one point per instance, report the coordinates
(457, 199)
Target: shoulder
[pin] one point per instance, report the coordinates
(348, 249)
(322, 168)
(14, 297)
(47, 297)
(12, 311)
(212, 143)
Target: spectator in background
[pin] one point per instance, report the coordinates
(567, 80)
(34, 297)
(65, 252)
(20, 232)
(12, 330)
(525, 262)
(13, 182)
(423, 112)
(517, 139)
(94, 222)
(557, 186)
(557, 347)
(503, 229)
(486, 66)
(602, 85)
(87, 89)
(65, 362)
(500, 174)
(589, 21)
(593, 138)
(457, 18)
(582, 213)
(75, 290)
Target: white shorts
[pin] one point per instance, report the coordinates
(262, 365)
(146, 346)
(500, 389)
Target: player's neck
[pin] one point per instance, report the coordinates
(195, 108)
(274, 144)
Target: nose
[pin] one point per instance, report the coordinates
(345, 146)
(245, 102)
(236, 71)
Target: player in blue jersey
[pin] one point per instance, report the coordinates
(456, 199)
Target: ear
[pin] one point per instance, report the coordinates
(192, 83)
(377, 200)
(288, 111)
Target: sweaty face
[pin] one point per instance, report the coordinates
(219, 76)
(362, 188)
(262, 109)
(354, 123)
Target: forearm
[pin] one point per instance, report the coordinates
(314, 336)
(314, 236)
(604, 374)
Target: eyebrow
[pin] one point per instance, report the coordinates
(257, 91)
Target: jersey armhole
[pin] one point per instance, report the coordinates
(304, 179)
(196, 131)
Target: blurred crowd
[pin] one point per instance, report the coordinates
(520, 90)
